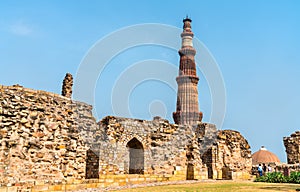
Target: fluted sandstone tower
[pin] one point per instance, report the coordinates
(187, 110)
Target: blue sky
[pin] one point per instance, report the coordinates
(255, 43)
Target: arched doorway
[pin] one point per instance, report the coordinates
(92, 165)
(136, 156)
(190, 172)
(190, 165)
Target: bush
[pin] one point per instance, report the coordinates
(260, 179)
(294, 177)
(278, 177)
(275, 177)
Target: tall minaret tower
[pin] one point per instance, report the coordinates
(187, 111)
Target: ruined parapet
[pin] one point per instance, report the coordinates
(155, 137)
(286, 169)
(41, 136)
(67, 86)
(292, 147)
(229, 157)
(206, 135)
(168, 149)
(195, 168)
(235, 142)
(234, 155)
(207, 138)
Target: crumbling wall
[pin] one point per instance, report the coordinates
(42, 136)
(233, 155)
(88, 130)
(165, 146)
(48, 137)
(292, 147)
(227, 155)
(207, 136)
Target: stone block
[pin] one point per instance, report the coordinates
(100, 185)
(141, 179)
(109, 180)
(12, 189)
(56, 187)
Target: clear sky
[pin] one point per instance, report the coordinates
(255, 43)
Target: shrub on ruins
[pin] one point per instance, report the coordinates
(294, 177)
(278, 177)
(261, 179)
(274, 177)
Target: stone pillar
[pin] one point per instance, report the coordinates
(187, 110)
(292, 147)
(215, 161)
(67, 86)
(4, 162)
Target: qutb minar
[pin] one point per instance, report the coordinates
(187, 110)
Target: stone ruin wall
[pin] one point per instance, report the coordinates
(229, 157)
(167, 147)
(234, 155)
(42, 136)
(171, 149)
(48, 137)
(292, 148)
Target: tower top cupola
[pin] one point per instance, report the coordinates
(187, 24)
(187, 34)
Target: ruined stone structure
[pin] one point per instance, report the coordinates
(187, 110)
(46, 138)
(67, 86)
(229, 157)
(39, 135)
(292, 147)
(149, 147)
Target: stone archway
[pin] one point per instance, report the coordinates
(92, 164)
(190, 172)
(136, 156)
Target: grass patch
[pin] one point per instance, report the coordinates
(219, 186)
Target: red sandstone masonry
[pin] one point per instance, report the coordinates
(187, 108)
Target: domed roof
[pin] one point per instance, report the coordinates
(264, 156)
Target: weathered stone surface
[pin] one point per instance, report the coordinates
(45, 136)
(40, 135)
(48, 137)
(292, 147)
(67, 86)
(229, 156)
(167, 148)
